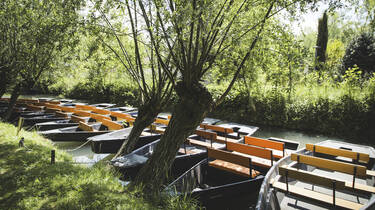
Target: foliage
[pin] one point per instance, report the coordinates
(29, 181)
(361, 52)
(322, 40)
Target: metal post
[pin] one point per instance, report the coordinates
(53, 156)
(286, 181)
(334, 192)
(355, 172)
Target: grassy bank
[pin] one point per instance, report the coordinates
(29, 181)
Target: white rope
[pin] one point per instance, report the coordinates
(79, 147)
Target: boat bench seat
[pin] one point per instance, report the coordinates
(356, 156)
(234, 168)
(277, 147)
(85, 127)
(321, 197)
(348, 168)
(223, 130)
(101, 111)
(62, 114)
(34, 107)
(112, 125)
(49, 105)
(123, 116)
(187, 152)
(77, 119)
(161, 121)
(216, 128)
(317, 179)
(99, 117)
(67, 109)
(82, 113)
(231, 162)
(51, 110)
(85, 107)
(261, 157)
(198, 143)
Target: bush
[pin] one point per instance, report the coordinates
(361, 52)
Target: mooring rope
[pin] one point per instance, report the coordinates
(79, 147)
(31, 128)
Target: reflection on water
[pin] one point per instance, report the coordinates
(299, 136)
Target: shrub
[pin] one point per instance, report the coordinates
(361, 52)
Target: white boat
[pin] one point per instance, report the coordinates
(327, 175)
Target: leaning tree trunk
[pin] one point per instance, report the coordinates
(12, 102)
(146, 115)
(194, 103)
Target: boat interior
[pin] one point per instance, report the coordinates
(323, 177)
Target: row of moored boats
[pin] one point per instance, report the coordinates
(221, 164)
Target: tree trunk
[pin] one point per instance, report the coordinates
(13, 99)
(146, 115)
(194, 103)
(2, 91)
(3, 85)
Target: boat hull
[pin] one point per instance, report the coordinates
(54, 125)
(113, 145)
(215, 188)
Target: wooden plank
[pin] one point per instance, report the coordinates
(85, 127)
(187, 152)
(198, 143)
(233, 168)
(339, 152)
(328, 199)
(123, 116)
(34, 108)
(229, 157)
(85, 107)
(51, 110)
(82, 113)
(216, 128)
(54, 102)
(23, 100)
(310, 177)
(54, 106)
(111, 125)
(330, 164)
(120, 115)
(264, 143)
(61, 114)
(250, 150)
(370, 173)
(224, 140)
(67, 109)
(77, 119)
(206, 134)
(101, 111)
(99, 117)
(161, 121)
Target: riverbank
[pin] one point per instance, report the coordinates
(29, 180)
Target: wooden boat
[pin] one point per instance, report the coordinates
(327, 175)
(81, 113)
(111, 142)
(189, 153)
(228, 178)
(82, 131)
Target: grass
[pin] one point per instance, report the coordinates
(29, 181)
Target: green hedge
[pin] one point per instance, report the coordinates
(346, 116)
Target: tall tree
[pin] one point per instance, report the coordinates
(321, 43)
(33, 36)
(147, 71)
(195, 33)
